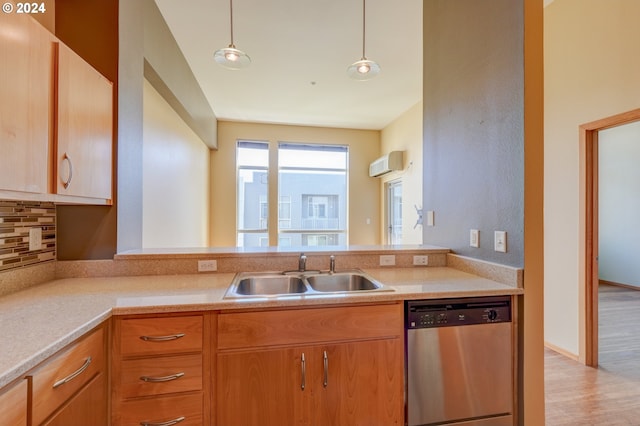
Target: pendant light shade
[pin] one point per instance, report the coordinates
(364, 69)
(230, 57)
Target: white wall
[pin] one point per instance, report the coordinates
(405, 134)
(175, 178)
(591, 72)
(619, 204)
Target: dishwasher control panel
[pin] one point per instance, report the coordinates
(457, 312)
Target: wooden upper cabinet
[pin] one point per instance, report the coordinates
(84, 139)
(26, 94)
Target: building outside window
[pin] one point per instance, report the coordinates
(314, 177)
(252, 159)
(312, 194)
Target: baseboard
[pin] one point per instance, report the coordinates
(561, 351)
(615, 284)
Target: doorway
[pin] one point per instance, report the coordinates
(589, 136)
(394, 212)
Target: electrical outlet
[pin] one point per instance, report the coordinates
(420, 260)
(387, 260)
(35, 239)
(474, 238)
(207, 265)
(500, 241)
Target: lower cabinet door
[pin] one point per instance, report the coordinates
(362, 384)
(183, 410)
(263, 387)
(13, 405)
(345, 384)
(87, 407)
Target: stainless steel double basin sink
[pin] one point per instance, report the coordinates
(277, 284)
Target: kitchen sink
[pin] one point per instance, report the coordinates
(270, 284)
(278, 284)
(343, 282)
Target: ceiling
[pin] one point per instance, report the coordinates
(300, 50)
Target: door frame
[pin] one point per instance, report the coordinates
(589, 229)
(388, 185)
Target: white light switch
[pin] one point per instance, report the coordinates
(430, 215)
(474, 238)
(500, 241)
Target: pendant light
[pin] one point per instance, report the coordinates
(230, 57)
(363, 69)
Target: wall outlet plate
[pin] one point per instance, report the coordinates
(387, 260)
(35, 238)
(420, 260)
(207, 265)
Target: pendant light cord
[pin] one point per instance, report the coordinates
(364, 11)
(231, 19)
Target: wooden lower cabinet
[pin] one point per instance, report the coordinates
(13, 404)
(160, 371)
(351, 382)
(261, 388)
(87, 407)
(71, 387)
(183, 410)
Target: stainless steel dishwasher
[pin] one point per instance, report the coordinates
(460, 362)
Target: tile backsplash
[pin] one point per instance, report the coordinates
(16, 219)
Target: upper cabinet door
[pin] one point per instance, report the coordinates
(83, 165)
(26, 93)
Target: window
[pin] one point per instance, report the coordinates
(314, 178)
(312, 195)
(252, 160)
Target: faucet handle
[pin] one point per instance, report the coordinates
(302, 263)
(332, 264)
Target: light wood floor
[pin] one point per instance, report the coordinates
(610, 394)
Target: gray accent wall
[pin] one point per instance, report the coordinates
(474, 125)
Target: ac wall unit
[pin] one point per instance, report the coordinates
(387, 163)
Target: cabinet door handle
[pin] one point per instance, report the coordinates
(161, 379)
(304, 372)
(66, 158)
(73, 375)
(162, 338)
(326, 369)
(167, 423)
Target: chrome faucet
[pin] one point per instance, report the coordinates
(302, 263)
(332, 264)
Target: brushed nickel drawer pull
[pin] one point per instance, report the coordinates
(326, 369)
(66, 158)
(161, 379)
(167, 423)
(162, 338)
(304, 372)
(73, 375)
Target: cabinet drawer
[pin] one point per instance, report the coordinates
(13, 405)
(66, 373)
(300, 326)
(156, 336)
(161, 411)
(156, 376)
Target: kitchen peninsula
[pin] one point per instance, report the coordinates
(42, 320)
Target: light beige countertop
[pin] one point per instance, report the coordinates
(39, 321)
